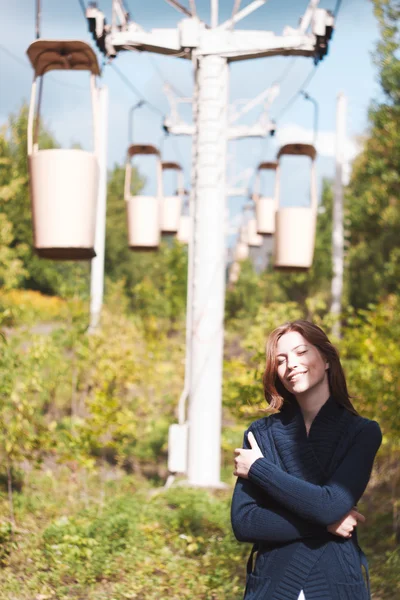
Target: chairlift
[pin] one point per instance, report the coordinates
(265, 206)
(143, 212)
(295, 226)
(63, 182)
(242, 247)
(234, 272)
(254, 239)
(185, 222)
(172, 205)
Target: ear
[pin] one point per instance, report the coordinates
(326, 366)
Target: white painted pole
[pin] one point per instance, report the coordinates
(214, 13)
(204, 456)
(97, 266)
(337, 220)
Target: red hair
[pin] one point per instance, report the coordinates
(274, 391)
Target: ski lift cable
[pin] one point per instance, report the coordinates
(137, 92)
(156, 67)
(83, 7)
(337, 8)
(285, 72)
(310, 76)
(146, 102)
(302, 88)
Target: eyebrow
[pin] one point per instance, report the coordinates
(295, 348)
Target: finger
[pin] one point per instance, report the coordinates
(359, 516)
(253, 441)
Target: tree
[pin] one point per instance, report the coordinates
(373, 195)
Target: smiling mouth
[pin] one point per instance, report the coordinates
(296, 376)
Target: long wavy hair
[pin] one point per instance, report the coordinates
(274, 391)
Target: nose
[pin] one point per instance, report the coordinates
(292, 361)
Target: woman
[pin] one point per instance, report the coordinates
(301, 473)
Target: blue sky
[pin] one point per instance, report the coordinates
(66, 109)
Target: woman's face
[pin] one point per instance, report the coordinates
(300, 365)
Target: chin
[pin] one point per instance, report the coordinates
(299, 389)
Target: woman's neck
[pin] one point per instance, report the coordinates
(311, 401)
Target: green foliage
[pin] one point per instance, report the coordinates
(134, 543)
(78, 397)
(244, 298)
(371, 355)
(6, 542)
(373, 195)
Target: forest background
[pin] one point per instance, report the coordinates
(84, 418)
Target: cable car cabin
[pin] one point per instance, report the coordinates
(184, 229)
(234, 273)
(172, 205)
(295, 225)
(63, 182)
(242, 246)
(143, 212)
(254, 239)
(265, 206)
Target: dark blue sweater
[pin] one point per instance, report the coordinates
(302, 485)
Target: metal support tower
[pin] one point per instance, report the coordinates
(209, 273)
(264, 126)
(97, 264)
(210, 49)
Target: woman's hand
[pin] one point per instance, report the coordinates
(245, 458)
(345, 526)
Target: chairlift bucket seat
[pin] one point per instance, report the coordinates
(172, 205)
(143, 212)
(265, 206)
(234, 272)
(63, 182)
(255, 240)
(242, 246)
(184, 229)
(295, 226)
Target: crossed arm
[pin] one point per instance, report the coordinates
(255, 517)
(327, 503)
(277, 507)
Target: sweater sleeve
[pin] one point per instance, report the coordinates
(328, 503)
(255, 518)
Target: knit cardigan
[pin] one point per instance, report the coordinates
(300, 486)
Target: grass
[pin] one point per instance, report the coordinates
(82, 536)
